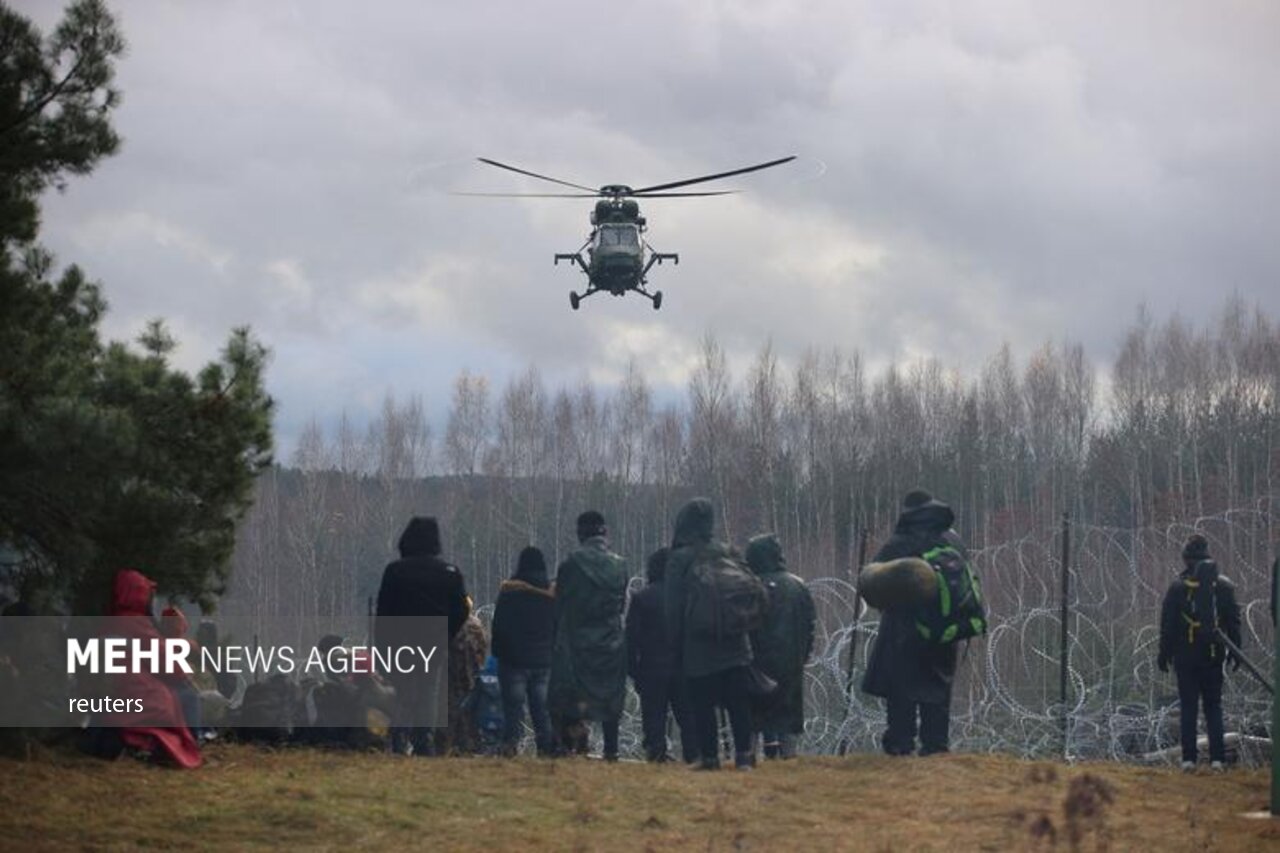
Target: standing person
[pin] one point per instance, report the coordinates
(418, 584)
(1198, 605)
(651, 665)
(912, 674)
(589, 659)
(782, 647)
(714, 665)
(524, 625)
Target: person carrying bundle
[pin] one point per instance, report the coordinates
(933, 601)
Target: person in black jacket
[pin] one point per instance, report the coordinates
(651, 665)
(524, 627)
(418, 584)
(911, 674)
(1199, 605)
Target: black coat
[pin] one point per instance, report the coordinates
(420, 583)
(782, 645)
(650, 658)
(902, 662)
(524, 625)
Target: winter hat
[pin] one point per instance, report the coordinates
(656, 566)
(531, 567)
(590, 523)
(1197, 548)
(916, 498)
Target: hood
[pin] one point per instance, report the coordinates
(531, 568)
(933, 516)
(764, 554)
(131, 593)
(694, 523)
(421, 538)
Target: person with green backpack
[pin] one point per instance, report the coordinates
(712, 602)
(913, 660)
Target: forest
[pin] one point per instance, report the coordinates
(1177, 433)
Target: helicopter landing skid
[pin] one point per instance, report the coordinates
(575, 298)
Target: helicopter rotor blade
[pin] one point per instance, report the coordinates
(683, 195)
(528, 195)
(714, 177)
(591, 190)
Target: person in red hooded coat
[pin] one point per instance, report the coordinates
(160, 727)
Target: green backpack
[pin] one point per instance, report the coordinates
(725, 597)
(957, 613)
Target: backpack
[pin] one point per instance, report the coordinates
(957, 613)
(725, 597)
(1199, 609)
(485, 702)
(270, 710)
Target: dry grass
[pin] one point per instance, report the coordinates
(247, 798)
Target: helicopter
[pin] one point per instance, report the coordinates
(618, 257)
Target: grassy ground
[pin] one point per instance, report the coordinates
(247, 798)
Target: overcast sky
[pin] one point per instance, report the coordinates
(970, 173)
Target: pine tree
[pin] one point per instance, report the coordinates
(108, 456)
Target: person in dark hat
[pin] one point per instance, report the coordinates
(1198, 609)
(589, 657)
(420, 583)
(524, 625)
(910, 673)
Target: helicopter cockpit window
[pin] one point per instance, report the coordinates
(622, 237)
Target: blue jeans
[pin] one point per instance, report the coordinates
(518, 686)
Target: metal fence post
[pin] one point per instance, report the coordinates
(1065, 634)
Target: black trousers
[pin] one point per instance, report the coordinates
(933, 726)
(658, 694)
(728, 689)
(573, 736)
(1201, 683)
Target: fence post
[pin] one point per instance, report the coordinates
(1275, 704)
(853, 633)
(1065, 634)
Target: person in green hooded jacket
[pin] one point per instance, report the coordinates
(589, 656)
(782, 647)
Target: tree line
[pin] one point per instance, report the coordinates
(1182, 424)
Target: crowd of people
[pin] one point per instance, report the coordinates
(564, 650)
(715, 636)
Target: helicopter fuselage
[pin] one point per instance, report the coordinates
(616, 249)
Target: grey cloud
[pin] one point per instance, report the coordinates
(994, 171)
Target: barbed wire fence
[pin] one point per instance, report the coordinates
(1006, 695)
